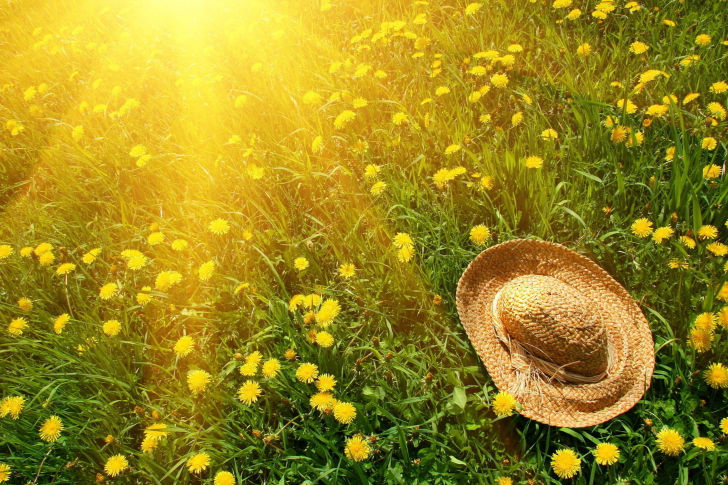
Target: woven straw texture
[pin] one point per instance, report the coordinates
(556, 331)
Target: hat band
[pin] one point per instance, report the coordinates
(526, 363)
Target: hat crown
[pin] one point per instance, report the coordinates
(552, 321)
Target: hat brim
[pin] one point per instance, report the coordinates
(553, 402)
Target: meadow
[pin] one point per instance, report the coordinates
(231, 233)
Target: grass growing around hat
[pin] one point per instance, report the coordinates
(194, 191)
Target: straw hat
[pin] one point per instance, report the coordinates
(557, 332)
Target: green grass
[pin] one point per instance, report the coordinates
(404, 361)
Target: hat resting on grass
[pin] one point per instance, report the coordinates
(556, 331)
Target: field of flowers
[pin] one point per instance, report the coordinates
(231, 233)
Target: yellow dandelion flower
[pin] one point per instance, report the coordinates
(499, 80)
(307, 372)
(144, 297)
(155, 238)
(642, 227)
(224, 478)
(324, 339)
(197, 381)
(344, 412)
(312, 300)
(344, 118)
(138, 151)
(606, 454)
(156, 431)
(219, 226)
(709, 143)
(717, 248)
(357, 448)
(328, 311)
(472, 8)
(300, 263)
(325, 383)
(166, 279)
(662, 233)
(148, 445)
(549, 134)
(574, 14)
(399, 118)
(347, 270)
(534, 162)
(479, 234)
(16, 326)
(724, 425)
(322, 401)
(289, 354)
(271, 367)
(486, 183)
(179, 245)
(707, 232)
(716, 376)
(90, 256)
(627, 105)
(51, 429)
(405, 254)
(706, 322)
(249, 392)
(111, 328)
(12, 406)
(504, 404)
(712, 171)
(254, 358)
(115, 465)
(701, 340)
(566, 463)
(4, 472)
(378, 188)
(723, 316)
(371, 171)
(206, 270)
(638, 47)
(723, 293)
(719, 87)
(670, 442)
(5, 251)
(184, 346)
(198, 463)
(108, 290)
(658, 110)
(703, 39)
(25, 304)
(249, 369)
(584, 50)
(295, 302)
(402, 239)
(704, 443)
